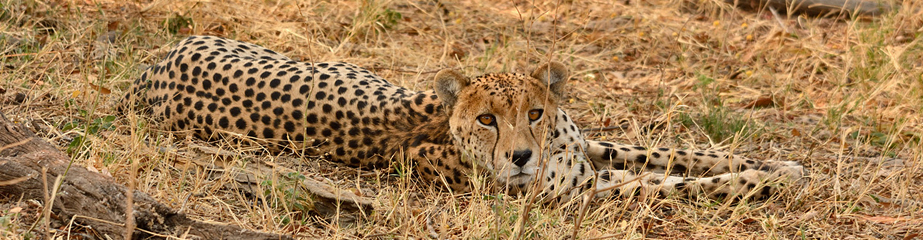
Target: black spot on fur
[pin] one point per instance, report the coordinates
(611, 153)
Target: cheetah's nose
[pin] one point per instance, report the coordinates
(521, 157)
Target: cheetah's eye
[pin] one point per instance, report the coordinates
(535, 114)
(487, 119)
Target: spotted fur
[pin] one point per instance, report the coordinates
(213, 87)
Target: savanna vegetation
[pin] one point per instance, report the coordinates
(841, 94)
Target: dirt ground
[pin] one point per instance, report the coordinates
(842, 95)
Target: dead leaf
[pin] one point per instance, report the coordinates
(808, 216)
(911, 236)
(113, 25)
(458, 52)
(884, 219)
(216, 29)
(796, 133)
(701, 37)
(99, 89)
(762, 102)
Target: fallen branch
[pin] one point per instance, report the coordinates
(330, 202)
(819, 7)
(91, 199)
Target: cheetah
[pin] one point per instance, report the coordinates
(508, 127)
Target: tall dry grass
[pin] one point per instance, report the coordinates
(843, 96)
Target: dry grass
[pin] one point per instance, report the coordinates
(841, 96)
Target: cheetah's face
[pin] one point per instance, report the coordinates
(501, 120)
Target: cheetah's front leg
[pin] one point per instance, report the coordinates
(441, 164)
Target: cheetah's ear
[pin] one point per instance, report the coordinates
(448, 84)
(555, 75)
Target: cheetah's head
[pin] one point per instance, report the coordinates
(502, 120)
